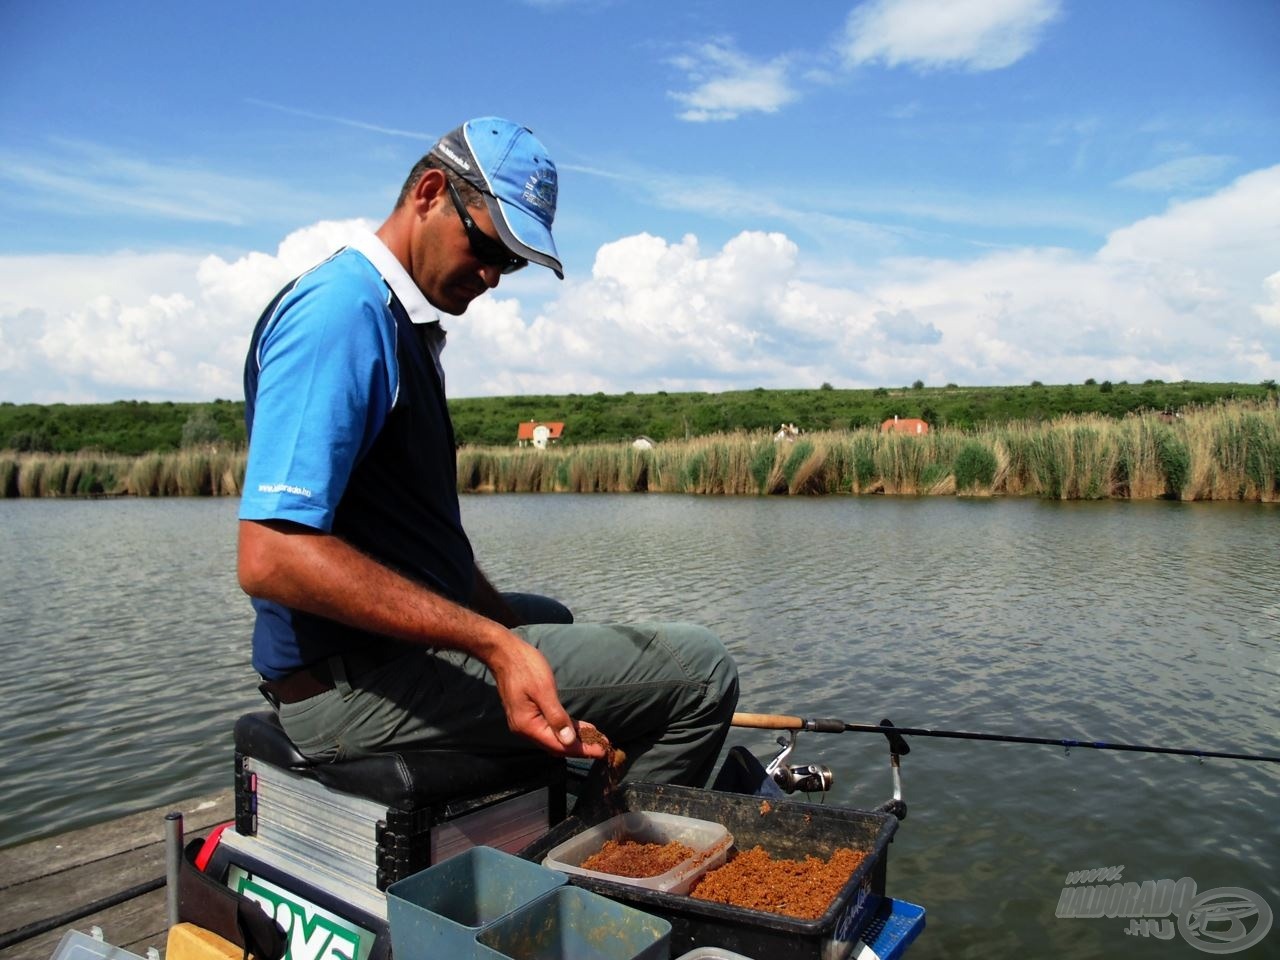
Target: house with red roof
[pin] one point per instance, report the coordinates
(538, 434)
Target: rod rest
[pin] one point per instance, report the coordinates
(407, 780)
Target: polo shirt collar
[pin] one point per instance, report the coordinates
(398, 279)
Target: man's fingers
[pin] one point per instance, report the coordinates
(569, 735)
(536, 727)
(528, 692)
(594, 743)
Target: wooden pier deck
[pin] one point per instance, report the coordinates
(45, 879)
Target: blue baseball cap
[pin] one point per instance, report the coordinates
(511, 169)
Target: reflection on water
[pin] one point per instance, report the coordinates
(126, 651)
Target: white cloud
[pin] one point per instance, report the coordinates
(931, 34)
(1269, 312)
(1178, 174)
(1175, 296)
(653, 313)
(138, 326)
(728, 83)
(1212, 249)
(904, 327)
(1192, 293)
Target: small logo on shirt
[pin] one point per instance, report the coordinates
(283, 488)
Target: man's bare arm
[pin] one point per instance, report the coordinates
(313, 571)
(488, 602)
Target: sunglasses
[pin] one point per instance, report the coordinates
(483, 247)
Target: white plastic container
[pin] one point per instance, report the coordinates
(75, 945)
(709, 842)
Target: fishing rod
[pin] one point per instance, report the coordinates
(772, 721)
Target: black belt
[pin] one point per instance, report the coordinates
(317, 678)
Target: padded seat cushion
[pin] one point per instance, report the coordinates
(407, 780)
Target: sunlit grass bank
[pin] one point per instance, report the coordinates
(1228, 451)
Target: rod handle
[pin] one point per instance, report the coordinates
(768, 721)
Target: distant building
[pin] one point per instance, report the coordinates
(539, 435)
(787, 432)
(909, 425)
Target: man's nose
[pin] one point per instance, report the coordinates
(491, 275)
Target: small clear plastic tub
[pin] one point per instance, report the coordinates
(710, 843)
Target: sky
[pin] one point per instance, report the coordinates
(870, 193)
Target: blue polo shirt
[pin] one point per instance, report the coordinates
(349, 434)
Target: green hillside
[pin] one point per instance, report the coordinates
(132, 427)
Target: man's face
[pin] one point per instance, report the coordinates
(444, 264)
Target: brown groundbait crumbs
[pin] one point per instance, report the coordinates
(614, 760)
(754, 880)
(628, 858)
(591, 737)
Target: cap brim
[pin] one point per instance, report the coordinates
(523, 233)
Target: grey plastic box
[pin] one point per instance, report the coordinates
(570, 923)
(438, 911)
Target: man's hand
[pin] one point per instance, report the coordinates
(528, 692)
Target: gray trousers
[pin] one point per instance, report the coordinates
(662, 692)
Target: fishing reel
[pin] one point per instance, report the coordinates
(802, 777)
(817, 778)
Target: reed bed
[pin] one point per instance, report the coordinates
(192, 472)
(1228, 451)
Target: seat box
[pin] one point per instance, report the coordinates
(361, 825)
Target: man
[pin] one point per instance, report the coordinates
(375, 629)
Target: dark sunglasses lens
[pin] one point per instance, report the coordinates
(491, 253)
(483, 247)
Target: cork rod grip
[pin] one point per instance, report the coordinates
(768, 721)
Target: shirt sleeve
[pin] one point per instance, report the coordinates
(327, 380)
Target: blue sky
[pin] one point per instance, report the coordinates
(974, 191)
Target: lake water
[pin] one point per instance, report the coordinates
(125, 645)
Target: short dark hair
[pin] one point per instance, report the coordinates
(470, 195)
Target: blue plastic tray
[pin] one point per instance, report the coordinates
(891, 929)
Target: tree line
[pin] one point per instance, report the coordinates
(134, 428)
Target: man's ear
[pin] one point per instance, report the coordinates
(429, 191)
